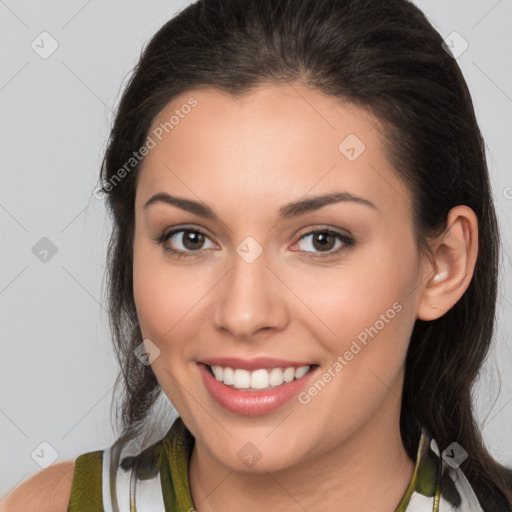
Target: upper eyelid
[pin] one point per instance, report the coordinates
(201, 229)
(337, 231)
(310, 231)
(179, 229)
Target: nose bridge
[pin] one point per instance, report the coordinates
(251, 298)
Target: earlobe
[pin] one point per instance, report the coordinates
(451, 267)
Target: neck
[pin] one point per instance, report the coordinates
(370, 470)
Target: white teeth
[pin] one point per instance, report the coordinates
(218, 372)
(257, 379)
(228, 376)
(289, 374)
(242, 379)
(276, 377)
(300, 372)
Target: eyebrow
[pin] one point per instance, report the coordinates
(287, 211)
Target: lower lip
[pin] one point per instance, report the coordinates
(253, 403)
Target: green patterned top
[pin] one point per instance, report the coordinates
(156, 479)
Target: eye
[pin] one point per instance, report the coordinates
(189, 241)
(324, 240)
(185, 241)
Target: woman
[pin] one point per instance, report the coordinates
(304, 260)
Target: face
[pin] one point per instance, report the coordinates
(333, 285)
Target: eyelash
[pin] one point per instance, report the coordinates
(347, 241)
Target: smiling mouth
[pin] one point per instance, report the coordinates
(260, 379)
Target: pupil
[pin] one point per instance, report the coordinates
(325, 243)
(194, 237)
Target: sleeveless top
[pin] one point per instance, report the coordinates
(156, 479)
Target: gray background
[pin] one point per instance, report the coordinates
(57, 367)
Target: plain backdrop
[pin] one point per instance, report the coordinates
(57, 367)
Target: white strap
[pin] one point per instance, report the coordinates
(119, 485)
(107, 501)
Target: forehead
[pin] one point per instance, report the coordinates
(276, 141)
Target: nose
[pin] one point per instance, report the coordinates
(250, 299)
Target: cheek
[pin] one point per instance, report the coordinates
(157, 307)
(363, 319)
(342, 301)
(167, 296)
(363, 310)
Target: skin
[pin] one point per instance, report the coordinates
(46, 491)
(245, 158)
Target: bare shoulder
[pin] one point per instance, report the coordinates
(46, 491)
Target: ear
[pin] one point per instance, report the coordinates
(449, 271)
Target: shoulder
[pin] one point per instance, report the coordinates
(46, 491)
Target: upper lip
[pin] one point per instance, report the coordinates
(253, 364)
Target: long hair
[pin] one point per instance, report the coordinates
(381, 56)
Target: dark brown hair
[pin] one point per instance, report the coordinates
(383, 56)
